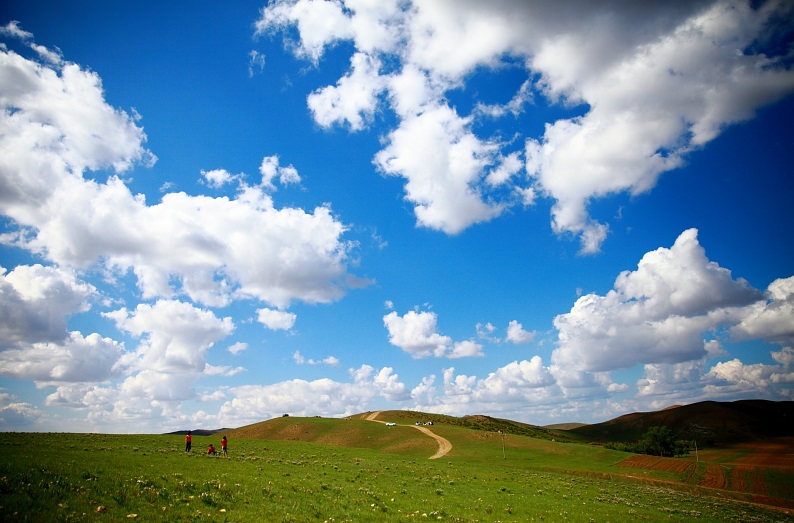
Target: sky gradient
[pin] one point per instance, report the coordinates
(211, 216)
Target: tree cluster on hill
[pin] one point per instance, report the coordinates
(657, 441)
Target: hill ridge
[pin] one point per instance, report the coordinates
(707, 422)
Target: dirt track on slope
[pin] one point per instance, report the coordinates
(444, 445)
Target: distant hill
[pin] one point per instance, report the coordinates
(709, 422)
(474, 422)
(200, 432)
(564, 426)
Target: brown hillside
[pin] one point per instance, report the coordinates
(708, 422)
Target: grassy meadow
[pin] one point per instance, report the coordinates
(381, 474)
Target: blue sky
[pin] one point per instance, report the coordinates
(211, 216)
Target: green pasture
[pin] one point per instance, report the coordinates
(97, 477)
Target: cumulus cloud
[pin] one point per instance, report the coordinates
(754, 378)
(439, 141)
(771, 319)
(75, 359)
(326, 397)
(275, 319)
(353, 99)
(516, 333)
(175, 337)
(56, 126)
(653, 83)
(508, 389)
(217, 178)
(35, 302)
(415, 333)
(656, 314)
(271, 169)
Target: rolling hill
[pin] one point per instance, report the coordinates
(709, 422)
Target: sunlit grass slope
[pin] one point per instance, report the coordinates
(89, 477)
(341, 432)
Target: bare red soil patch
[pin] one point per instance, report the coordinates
(715, 477)
(657, 463)
(743, 468)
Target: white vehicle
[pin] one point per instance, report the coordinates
(390, 424)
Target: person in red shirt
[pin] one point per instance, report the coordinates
(188, 442)
(224, 442)
(211, 450)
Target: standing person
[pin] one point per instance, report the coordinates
(224, 442)
(188, 441)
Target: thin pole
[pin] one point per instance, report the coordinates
(503, 445)
(697, 458)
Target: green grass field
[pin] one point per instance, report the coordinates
(382, 474)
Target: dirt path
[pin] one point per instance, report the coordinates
(372, 415)
(444, 445)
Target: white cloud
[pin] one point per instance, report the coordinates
(256, 62)
(275, 319)
(516, 333)
(785, 357)
(300, 360)
(672, 381)
(175, 336)
(16, 415)
(751, 378)
(219, 177)
(320, 23)
(171, 357)
(35, 302)
(75, 359)
(509, 389)
(57, 125)
(325, 397)
(438, 141)
(238, 347)
(270, 169)
(415, 333)
(353, 99)
(12, 29)
(656, 314)
(771, 319)
(654, 82)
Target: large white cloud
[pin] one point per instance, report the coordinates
(175, 336)
(326, 397)
(76, 359)
(35, 302)
(654, 81)
(771, 319)
(415, 333)
(656, 314)
(56, 127)
(510, 389)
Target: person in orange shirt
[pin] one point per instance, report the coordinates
(188, 441)
(211, 450)
(224, 443)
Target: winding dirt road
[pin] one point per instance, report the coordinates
(444, 445)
